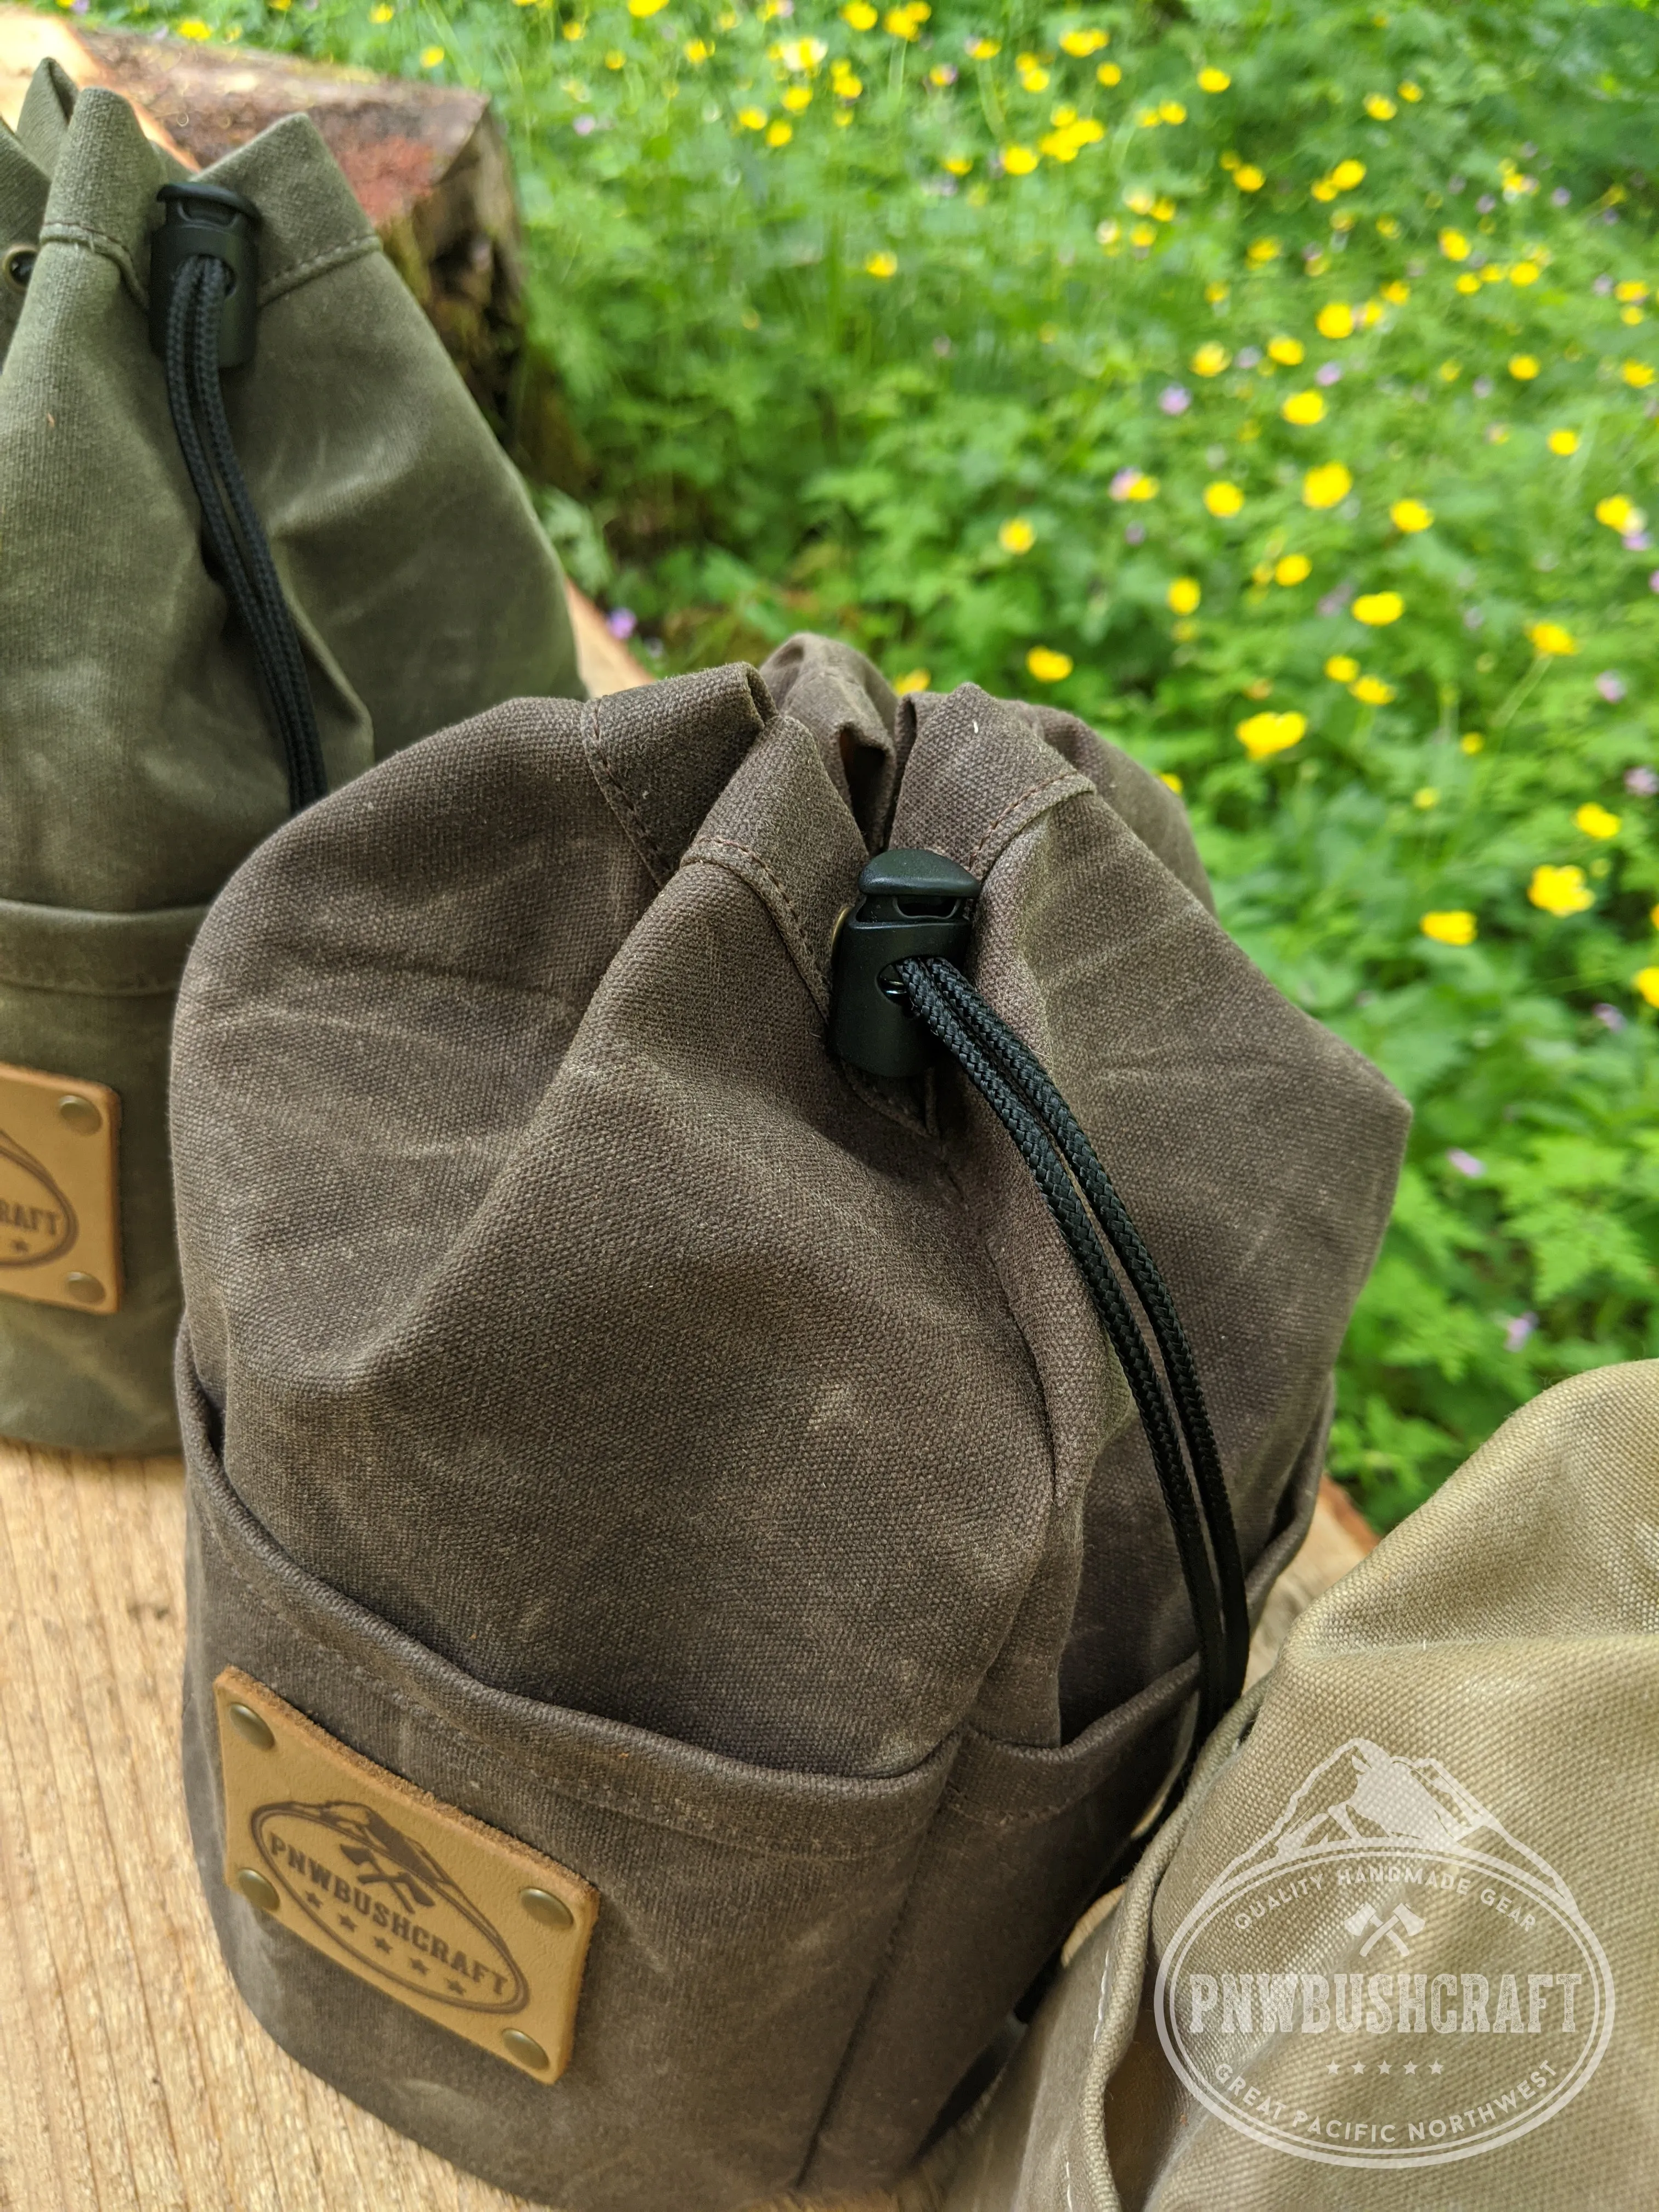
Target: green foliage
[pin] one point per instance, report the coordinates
(948, 357)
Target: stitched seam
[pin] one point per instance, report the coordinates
(1034, 791)
(803, 943)
(285, 279)
(688, 1823)
(617, 797)
(97, 241)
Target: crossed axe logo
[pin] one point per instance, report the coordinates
(1401, 1923)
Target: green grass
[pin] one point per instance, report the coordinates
(966, 415)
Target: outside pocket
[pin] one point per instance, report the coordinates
(743, 1912)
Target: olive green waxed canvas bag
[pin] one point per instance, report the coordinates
(139, 761)
(685, 1601)
(1397, 1949)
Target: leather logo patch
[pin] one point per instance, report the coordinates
(59, 1227)
(463, 1924)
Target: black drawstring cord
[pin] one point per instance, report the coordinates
(239, 543)
(1032, 1079)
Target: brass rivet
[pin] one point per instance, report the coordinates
(85, 1290)
(247, 1722)
(526, 2048)
(256, 1890)
(81, 1114)
(542, 1904)
(17, 264)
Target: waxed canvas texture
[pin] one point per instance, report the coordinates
(606, 1410)
(136, 765)
(1510, 1630)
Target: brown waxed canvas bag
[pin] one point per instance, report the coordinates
(682, 1614)
(1427, 1843)
(137, 760)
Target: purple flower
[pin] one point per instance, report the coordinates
(948, 72)
(1248, 356)
(1611, 685)
(1517, 1331)
(1175, 399)
(1641, 782)
(1455, 184)
(1465, 1162)
(622, 622)
(942, 345)
(1335, 600)
(1486, 203)
(1609, 1017)
(1560, 196)
(1134, 534)
(1472, 618)
(1636, 540)
(79, 7)
(1481, 387)
(1124, 482)
(584, 126)
(1328, 373)
(1603, 285)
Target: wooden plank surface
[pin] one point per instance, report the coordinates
(134, 2077)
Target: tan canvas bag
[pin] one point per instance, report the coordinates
(661, 1492)
(1398, 1949)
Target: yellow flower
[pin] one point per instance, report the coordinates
(1143, 234)
(779, 134)
(1632, 288)
(193, 27)
(1596, 821)
(1563, 441)
(1168, 775)
(1375, 609)
(1216, 292)
(1386, 227)
(615, 61)
(1372, 691)
(1619, 513)
(1647, 982)
(1287, 350)
(1410, 91)
(1335, 320)
(1213, 80)
(1410, 514)
(1304, 407)
(382, 14)
(882, 264)
(1450, 926)
(697, 50)
(1550, 639)
(849, 87)
(646, 7)
(1468, 283)
(1560, 892)
(1017, 536)
(1325, 486)
(1034, 78)
(1223, 498)
(1164, 210)
(1183, 595)
(1346, 174)
(1143, 488)
(1082, 44)
(1636, 374)
(959, 164)
(1378, 104)
(431, 56)
(1210, 358)
(1171, 111)
(798, 98)
(1325, 188)
(1524, 272)
(1109, 73)
(1631, 315)
(752, 119)
(980, 49)
(862, 16)
(1428, 796)
(1292, 568)
(1020, 161)
(917, 679)
(1398, 292)
(1262, 735)
(1454, 245)
(1047, 667)
(1471, 742)
(1523, 367)
(1341, 668)
(1450, 371)
(1248, 179)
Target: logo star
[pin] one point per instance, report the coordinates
(1437, 2067)
(311, 1898)
(380, 1944)
(1411, 2066)
(346, 1922)
(417, 1965)
(1332, 2067)
(1385, 2068)
(456, 1987)
(1359, 2065)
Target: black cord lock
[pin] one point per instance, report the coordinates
(911, 905)
(206, 219)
